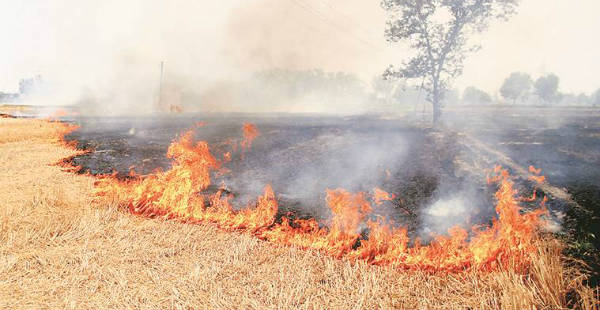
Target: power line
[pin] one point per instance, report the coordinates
(305, 6)
(347, 17)
(319, 14)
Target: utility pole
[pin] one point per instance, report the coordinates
(160, 86)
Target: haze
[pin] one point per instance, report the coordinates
(118, 45)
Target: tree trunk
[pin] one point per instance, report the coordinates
(437, 110)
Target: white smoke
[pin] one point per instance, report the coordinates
(446, 213)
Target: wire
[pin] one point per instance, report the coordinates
(319, 14)
(348, 18)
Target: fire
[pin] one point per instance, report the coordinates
(65, 129)
(250, 133)
(535, 171)
(379, 196)
(56, 115)
(173, 108)
(354, 232)
(536, 177)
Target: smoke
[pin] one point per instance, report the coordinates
(456, 201)
(299, 35)
(446, 213)
(317, 160)
(105, 56)
(242, 56)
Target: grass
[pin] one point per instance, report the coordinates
(29, 131)
(61, 249)
(11, 108)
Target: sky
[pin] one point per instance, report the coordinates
(93, 46)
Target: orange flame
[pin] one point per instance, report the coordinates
(536, 177)
(351, 233)
(61, 113)
(535, 171)
(379, 196)
(250, 133)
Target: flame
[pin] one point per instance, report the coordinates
(536, 177)
(56, 115)
(63, 130)
(250, 133)
(388, 175)
(379, 196)
(173, 108)
(530, 199)
(535, 171)
(352, 233)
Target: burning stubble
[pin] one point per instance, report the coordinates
(217, 259)
(180, 193)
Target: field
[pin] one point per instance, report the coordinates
(62, 248)
(565, 143)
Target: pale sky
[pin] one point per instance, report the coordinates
(96, 45)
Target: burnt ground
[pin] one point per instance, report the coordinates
(301, 156)
(564, 142)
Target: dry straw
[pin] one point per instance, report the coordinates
(59, 249)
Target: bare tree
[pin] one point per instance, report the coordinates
(437, 31)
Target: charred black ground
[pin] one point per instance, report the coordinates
(301, 156)
(565, 143)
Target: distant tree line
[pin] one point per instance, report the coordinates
(27, 87)
(517, 89)
(520, 88)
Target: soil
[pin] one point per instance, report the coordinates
(301, 156)
(564, 143)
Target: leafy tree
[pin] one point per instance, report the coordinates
(516, 86)
(452, 97)
(595, 98)
(383, 89)
(437, 31)
(546, 87)
(473, 95)
(583, 99)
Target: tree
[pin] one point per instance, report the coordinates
(516, 86)
(595, 98)
(473, 95)
(546, 87)
(383, 89)
(583, 99)
(437, 31)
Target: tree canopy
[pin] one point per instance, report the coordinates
(437, 31)
(473, 95)
(516, 86)
(546, 87)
